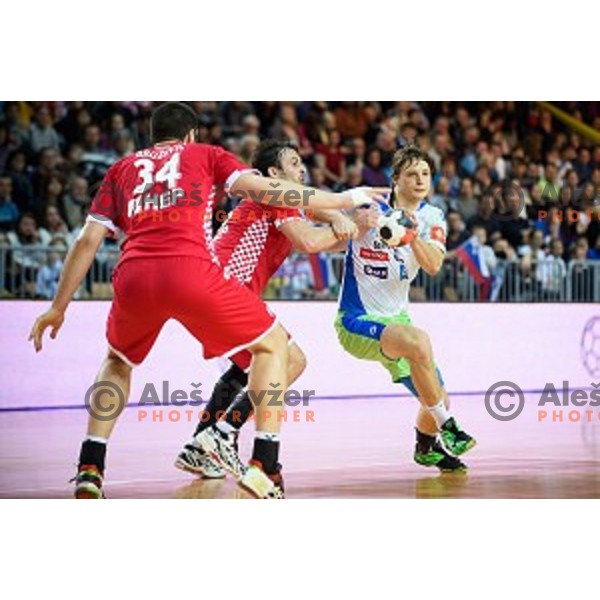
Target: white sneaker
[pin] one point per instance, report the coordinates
(256, 482)
(223, 449)
(194, 460)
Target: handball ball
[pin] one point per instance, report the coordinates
(396, 228)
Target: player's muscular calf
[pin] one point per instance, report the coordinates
(268, 373)
(406, 341)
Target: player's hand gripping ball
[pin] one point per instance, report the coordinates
(397, 228)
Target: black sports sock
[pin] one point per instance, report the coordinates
(267, 453)
(424, 441)
(230, 384)
(239, 412)
(93, 453)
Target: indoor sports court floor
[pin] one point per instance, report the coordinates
(355, 448)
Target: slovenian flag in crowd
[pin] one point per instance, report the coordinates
(471, 255)
(320, 268)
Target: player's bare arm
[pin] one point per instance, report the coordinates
(429, 257)
(77, 264)
(343, 226)
(311, 239)
(265, 191)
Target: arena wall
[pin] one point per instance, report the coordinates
(475, 345)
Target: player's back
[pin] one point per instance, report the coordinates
(162, 198)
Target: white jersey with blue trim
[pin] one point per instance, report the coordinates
(377, 278)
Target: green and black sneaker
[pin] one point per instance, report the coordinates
(436, 456)
(88, 483)
(455, 439)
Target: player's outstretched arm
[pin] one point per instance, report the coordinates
(344, 227)
(286, 194)
(79, 259)
(311, 239)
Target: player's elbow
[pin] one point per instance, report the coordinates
(433, 269)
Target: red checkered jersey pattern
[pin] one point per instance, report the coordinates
(249, 245)
(162, 198)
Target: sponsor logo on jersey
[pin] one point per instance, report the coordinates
(370, 254)
(398, 255)
(379, 272)
(437, 234)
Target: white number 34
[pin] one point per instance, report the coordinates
(168, 173)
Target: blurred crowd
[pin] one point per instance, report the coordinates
(53, 154)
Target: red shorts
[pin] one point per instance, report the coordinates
(244, 358)
(222, 314)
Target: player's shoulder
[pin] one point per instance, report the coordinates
(433, 213)
(121, 165)
(202, 149)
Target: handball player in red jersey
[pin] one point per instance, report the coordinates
(250, 246)
(159, 198)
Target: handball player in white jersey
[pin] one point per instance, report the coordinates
(373, 321)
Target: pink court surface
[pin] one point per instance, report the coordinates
(357, 448)
(360, 440)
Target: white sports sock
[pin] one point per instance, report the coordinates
(225, 427)
(96, 438)
(439, 413)
(266, 435)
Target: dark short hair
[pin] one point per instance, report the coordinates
(408, 155)
(269, 153)
(172, 121)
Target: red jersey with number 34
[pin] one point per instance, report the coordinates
(162, 198)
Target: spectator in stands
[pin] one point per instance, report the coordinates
(583, 164)
(49, 164)
(9, 213)
(248, 145)
(550, 184)
(233, 115)
(374, 173)
(21, 184)
(27, 243)
(551, 272)
(334, 154)
(358, 153)
(466, 204)
(533, 246)
(41, 133)
(487, 252)
(351, 119)
(122, 143)
(440, 149)
(55, 226)
(582, 274)
(440, 198)
(46, 281)
(354, 178)
(449, 172)
(76, 201)
(408, 134)
(457, 231)
(95, 161)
